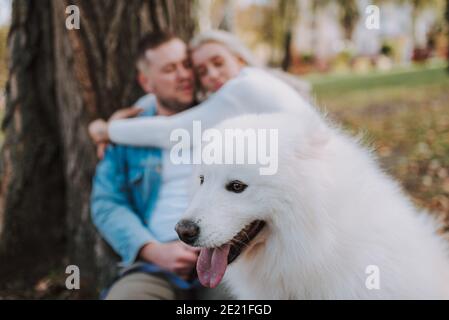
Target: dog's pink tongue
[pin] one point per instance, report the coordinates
(211, 265)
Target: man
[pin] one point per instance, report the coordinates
(138, 194)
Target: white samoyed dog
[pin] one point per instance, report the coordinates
(329, 224)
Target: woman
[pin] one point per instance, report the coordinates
(231, 84)
(219, 56)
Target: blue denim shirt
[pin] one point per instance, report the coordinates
(125, 191)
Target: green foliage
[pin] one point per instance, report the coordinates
(404, 117)
(386, 49)
(3, 56)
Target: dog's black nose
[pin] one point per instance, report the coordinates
(188, 231)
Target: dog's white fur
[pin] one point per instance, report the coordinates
(330, 212)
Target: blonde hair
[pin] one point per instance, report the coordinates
(228, 40)
(236, 47)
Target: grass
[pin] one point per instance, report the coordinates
(411, 77)
(404, 116)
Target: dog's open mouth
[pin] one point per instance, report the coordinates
(212, 262)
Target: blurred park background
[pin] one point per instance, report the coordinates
(389, 85)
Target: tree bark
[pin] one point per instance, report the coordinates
(59, 81)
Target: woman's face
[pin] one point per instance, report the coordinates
(215, 65)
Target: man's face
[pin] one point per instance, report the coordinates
(169, 75)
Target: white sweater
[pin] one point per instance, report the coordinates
(252, 91)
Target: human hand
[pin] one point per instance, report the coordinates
(101, 149)
(176, 257)
(98, 131)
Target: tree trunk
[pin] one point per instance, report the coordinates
(285, 20)
(349, 15)
(59, 81)
(286, 62)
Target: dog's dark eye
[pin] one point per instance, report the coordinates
(201, 179)
(236, 186)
